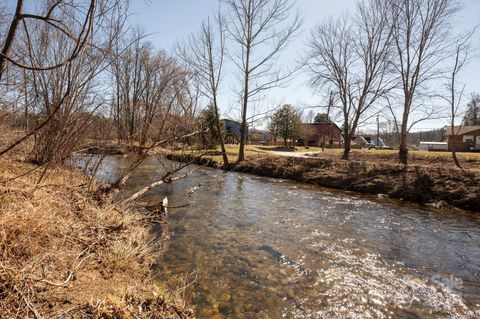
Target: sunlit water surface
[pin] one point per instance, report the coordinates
(269, 248)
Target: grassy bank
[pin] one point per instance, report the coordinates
(469, 161)
(66, 254)
(434, 185)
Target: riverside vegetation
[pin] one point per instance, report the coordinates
(69, 252)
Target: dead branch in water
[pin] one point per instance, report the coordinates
(122, 180)
(165, 180)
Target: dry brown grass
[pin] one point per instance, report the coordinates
(469, 161)
(66, 255)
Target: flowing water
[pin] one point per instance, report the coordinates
(269, 248)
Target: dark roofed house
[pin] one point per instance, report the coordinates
(232, 131)
(365, 141)
(465, 138)
(315, 133)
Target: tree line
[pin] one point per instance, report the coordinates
(75, 70)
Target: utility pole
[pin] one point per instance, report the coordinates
(330, 104)
(378, 132)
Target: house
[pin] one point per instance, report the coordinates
(314, 134)
(365, 141)
(260, 137)
(232, 131)
(359, 141)
(464, 139)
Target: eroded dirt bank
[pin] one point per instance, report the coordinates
(434, 186)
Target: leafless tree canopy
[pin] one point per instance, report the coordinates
(351, 57)
(53, 75)
(421, 31)
(204, 55)
(76, 21)
(260, 29)
(149, 87)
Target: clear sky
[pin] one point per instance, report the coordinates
(170, 21)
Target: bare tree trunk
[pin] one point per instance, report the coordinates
(226, 163)
(454, 152)
(330, 104)
(243, 127)
(10, 36)
(403, 152)
(346, 149)
(453, 103)
(25, 100)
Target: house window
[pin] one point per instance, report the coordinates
(468, 138)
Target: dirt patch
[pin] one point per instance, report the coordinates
(277, 149)
(434, 186)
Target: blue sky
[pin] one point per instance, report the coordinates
(170, 21)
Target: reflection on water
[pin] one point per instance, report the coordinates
(266, 248)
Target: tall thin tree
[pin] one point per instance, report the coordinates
(260, 29)
(421, 31)
(205, 55)
(350, 56)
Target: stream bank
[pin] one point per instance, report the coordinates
(433, 186)
(69, 253)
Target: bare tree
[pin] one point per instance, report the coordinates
(261, 29)
(352, 60)
(86, 13)
(420, 31)
(455, 94)
(147, 86)
(329, 107)
(66, 90)
(205, 54)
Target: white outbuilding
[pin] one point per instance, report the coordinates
(433, 146)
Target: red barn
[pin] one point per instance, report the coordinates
(313, 134)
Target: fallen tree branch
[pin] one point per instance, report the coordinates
(166, 180)
(122, 180)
